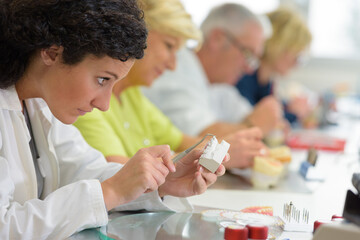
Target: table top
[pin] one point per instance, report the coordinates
(234, 191)
(323, 199)
(157, 225)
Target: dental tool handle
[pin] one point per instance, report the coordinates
(179, 156)
(182, 154)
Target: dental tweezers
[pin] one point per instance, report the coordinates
(183, 154)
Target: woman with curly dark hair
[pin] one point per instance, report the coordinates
(60, 59)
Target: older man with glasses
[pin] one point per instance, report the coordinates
(233, 44)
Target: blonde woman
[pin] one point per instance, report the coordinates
(282, 52)
(132, 121)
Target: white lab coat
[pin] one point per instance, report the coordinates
(72, 197)
(192, 103)
(230, 106)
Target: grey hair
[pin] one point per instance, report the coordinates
(229, 16)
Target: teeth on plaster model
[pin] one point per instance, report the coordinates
(214, 154)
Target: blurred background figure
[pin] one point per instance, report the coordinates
(283, 51)
(233, 43)
(132, 121)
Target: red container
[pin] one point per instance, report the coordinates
(336, 217)
(319, 222)
(258, 231)
(236, 232)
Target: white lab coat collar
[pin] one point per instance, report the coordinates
(9, 99)
(41, 120)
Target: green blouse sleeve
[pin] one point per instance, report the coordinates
(164, 131)
(99, 133)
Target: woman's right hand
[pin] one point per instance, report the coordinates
(144, 172)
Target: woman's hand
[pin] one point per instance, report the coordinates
(300, 107)
(190, 178)
(144, 172)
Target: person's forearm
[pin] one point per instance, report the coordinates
(117, 159)
(109, 195)
(221, 129)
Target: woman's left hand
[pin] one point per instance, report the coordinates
(190, 178)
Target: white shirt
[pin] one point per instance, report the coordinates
(72, 197)
(229, 105)
(186, 97)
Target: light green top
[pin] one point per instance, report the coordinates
(128, 125)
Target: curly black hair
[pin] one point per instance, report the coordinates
(113, 28)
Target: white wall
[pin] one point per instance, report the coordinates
(323, 74)
(318, 74)
(200, 8)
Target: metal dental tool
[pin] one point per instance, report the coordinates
(182, 154)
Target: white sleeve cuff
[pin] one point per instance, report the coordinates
(98, 202)
(96, 205)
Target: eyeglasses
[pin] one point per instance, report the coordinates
(251, 59)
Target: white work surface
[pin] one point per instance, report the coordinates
(322, 199)
(234, 192)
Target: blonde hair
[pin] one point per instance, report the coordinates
(169, 17)
(289, 34)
